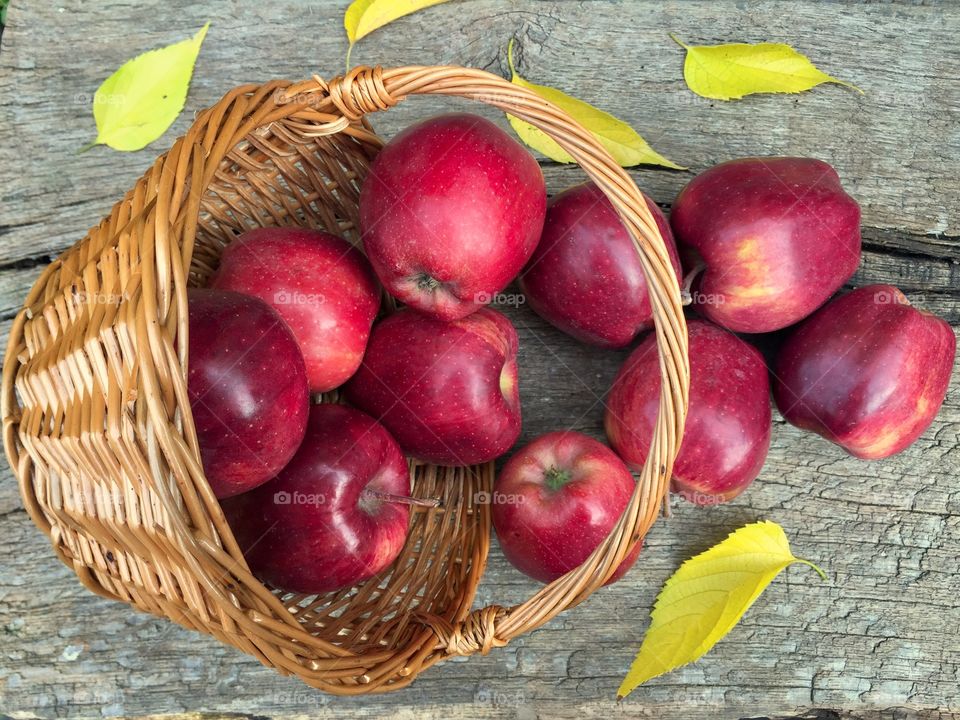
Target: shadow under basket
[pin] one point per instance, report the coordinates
(96, 417)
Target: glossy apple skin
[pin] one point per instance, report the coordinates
(322, 287)
(727, 434)
(585, 276)
(867, 371)
(446, 391)
(778, 236)
(247, 385)
(312, 529)
(547, 524)
(450, 212)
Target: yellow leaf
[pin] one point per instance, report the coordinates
(728, 72)
(365, 16)
(707, 596)
(136, 105)
(621, 141)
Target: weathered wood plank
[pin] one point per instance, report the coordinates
(879, 640)
(881, 632)
(893, 146)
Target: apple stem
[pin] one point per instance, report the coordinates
(556, 478)
(427, 282)
(402, 499)
(686, 297)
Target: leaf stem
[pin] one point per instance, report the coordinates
(848, 84)
(87, 147)
(820, 572)
(513, 70)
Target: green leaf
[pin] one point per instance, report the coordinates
(728, 72)
(707, 596)
(135, 106)
(621, 141)
(365, 16)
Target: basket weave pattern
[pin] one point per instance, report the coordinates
(97, 423)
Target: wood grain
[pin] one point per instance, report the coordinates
(879, 640)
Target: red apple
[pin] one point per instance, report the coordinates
(585, 276)
(335, 515)
(554, 502)
(868, 371)
(451, 210)
(247, 386)
(728, 428)
(778, 237)
(322, 287)
(446, 391)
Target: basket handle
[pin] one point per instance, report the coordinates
(366, 90)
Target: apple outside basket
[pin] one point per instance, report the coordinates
(96, 417)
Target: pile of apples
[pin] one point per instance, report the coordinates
(452, 211)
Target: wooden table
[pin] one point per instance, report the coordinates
(880, 639)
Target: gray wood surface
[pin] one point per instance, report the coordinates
(878, 640)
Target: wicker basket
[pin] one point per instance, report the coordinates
(97, 425)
